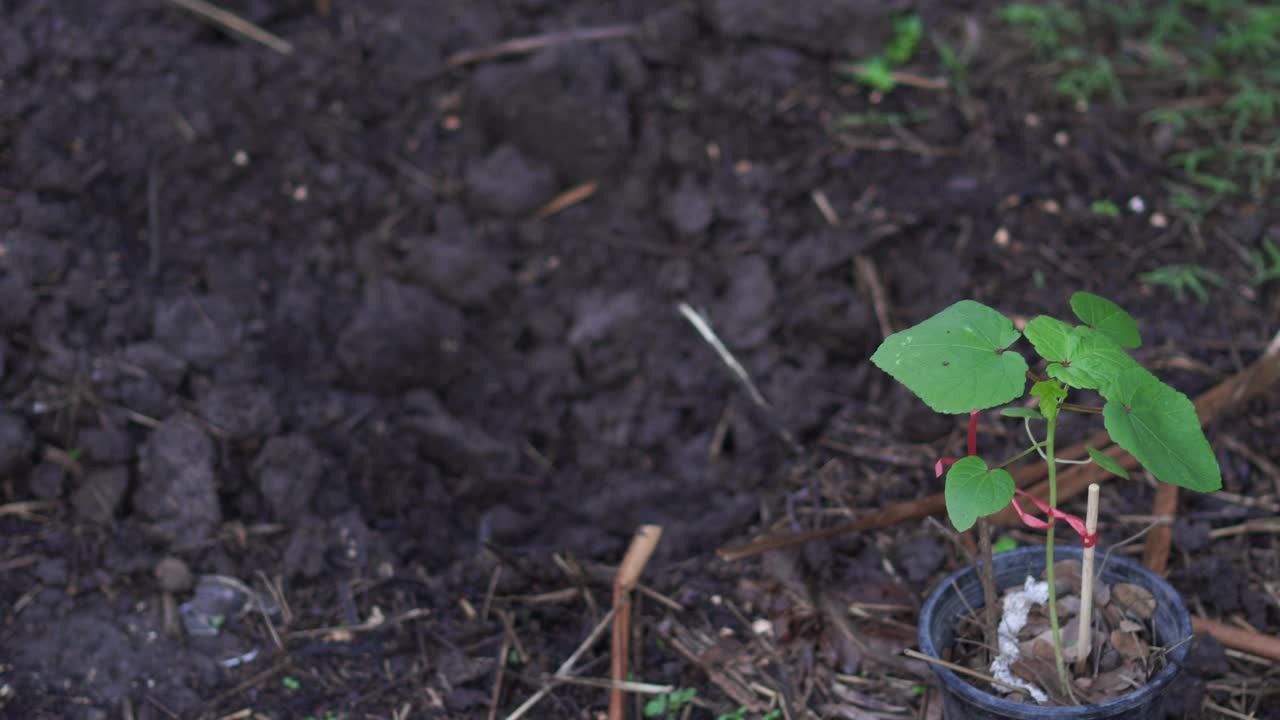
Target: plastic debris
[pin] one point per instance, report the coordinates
(1017, 605)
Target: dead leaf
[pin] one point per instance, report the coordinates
(1066, 576)
(1130, 626)
(1101, 594)
(1136, 601)
(1129, 645)
(1068, 605)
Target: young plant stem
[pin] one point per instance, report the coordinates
(987, 576)
(1019, 456)
(1048, 559)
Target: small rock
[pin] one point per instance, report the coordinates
(459, 268)
(449, 441)
(560, 107)
(201, 330)
(401, 335)
(155, 362)
(47, 480)
(304, 552)
(53, 571)
(16, 442)
(743, 315)
(174, 575)
(98, 499)
(179, 491)
(508, 183)
(919, 557)
(17, 300)
(1206, 657)
(597, 316)
(106, 446)
(241, 410)
(666, 35)
(506, 525)
(287, 472)
(1191, 536)
(689, 207)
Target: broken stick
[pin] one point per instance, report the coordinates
(633, 564)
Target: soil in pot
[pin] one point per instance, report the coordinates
(1140, 632)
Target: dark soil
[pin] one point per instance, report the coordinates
(288, 345)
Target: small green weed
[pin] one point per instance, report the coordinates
(667, 705)
(1217, 62)
(1004, 544)
(1266, 263)
(1104, 208)
(741, 714)
(1184, 278)
(289, 682)
(877, 72)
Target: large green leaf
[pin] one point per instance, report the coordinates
(956, 360)
(973, 491)
(1107, 318)
(1158, 425)
(1079, 356)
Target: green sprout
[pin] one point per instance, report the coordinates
(1004, 544)
(877, 72)
(1184, 278)
(959, 361)
(1266, 263)
(668, 704)
(741, 714)
(1104, 208)
(289, 682)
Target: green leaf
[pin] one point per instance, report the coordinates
(1108, 463)
(1021, 412)
(1158, 425)
(875, 73)
(1107, 318)
(1004, 544)
(1079, 356)
(956, 361)
(1051, 394)
(973, 491)
(1051, 337)
(1094, 363)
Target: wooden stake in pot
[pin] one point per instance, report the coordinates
(1084, 639)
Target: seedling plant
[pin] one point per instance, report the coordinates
(959, 361)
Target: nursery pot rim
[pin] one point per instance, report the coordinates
(953, 683)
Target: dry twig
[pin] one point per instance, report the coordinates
(642, 546)
(235, 24)
(520, 46)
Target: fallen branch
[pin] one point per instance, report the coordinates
(1241, 387)
(1233, 637)
(1155, 553)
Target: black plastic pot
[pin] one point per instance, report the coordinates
(962, 701)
